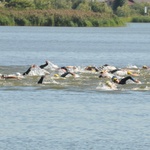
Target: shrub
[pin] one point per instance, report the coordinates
(21, 21)
(22, 4)
(145, 19)
(4, 20)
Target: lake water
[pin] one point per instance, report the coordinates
(73, 114)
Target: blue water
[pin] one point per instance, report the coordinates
(75, 46)
(41, 117)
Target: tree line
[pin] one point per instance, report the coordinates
(71, 12)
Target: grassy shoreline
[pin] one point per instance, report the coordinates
(69, 18)
(72, 18)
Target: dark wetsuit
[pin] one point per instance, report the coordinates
(66, 73)
(96, 69)
(113, 71)
(64, 69)
(100, 76)
(42, 66)
(92, 68)
(63, 75)
(27, 72)
(123, 81)
(41, 80)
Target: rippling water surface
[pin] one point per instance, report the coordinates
(74, 113)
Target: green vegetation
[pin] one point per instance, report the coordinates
(74, 13)
(72, 18)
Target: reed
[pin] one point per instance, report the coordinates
(144, 19)
(73, 18)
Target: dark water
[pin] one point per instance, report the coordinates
(74, 114)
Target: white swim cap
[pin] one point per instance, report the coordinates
(18, 74)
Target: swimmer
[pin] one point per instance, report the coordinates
(55, 75)
(123, 81)
(105, 74)
(64, 71)
(29, 69)
(9, 77)
(91, 68)
(111, 85)
(123, 72)
(34, 66)
(71, 67)
(107, 67)
(145, 67)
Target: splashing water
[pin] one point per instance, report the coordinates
(83, 80)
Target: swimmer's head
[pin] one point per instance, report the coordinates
(56, 75)
(18, 74)
(33, 66)
(108, 83)
(114, 79)
(129, 72)
(103, 71)
(2, 76)
(145, 67)
(106, 65)
(88, 68)
(74, 67)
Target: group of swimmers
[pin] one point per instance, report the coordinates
(116, 75)
(62, 72)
